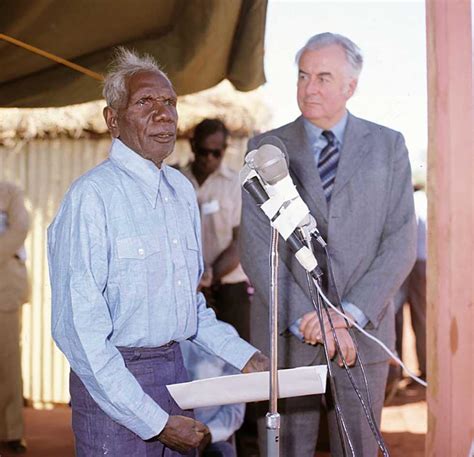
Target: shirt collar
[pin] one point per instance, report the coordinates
(224, 171)
(314, 132)
(144, 172)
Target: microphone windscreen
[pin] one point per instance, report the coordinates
(275, 141)
(270, 160)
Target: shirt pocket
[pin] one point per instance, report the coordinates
(138, 256)
(137, 247)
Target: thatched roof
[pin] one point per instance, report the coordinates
(244, 113)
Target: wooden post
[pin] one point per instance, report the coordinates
(450, 321)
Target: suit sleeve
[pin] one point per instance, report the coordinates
(397, 249)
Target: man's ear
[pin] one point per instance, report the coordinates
(110, 116)
(351, 88)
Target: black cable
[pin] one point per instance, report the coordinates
(369, 414)
(367, 411)
(341, 425)
(359, 359)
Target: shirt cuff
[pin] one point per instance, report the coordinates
(156, 420)
(294, 328)
(218, 432)
(238, 352)
(356, 312)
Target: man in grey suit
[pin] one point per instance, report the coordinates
(355, 177)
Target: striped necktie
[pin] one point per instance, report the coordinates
(327, 164)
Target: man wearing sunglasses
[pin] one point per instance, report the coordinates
(224, 282)
(219, 197)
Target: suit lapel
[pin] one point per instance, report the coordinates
(355, 147)
(304, 170)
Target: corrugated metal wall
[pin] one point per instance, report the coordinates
(45, 169)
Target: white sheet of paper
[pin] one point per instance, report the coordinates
(244, 388)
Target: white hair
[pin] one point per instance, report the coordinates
(125, 64)
(353, 53)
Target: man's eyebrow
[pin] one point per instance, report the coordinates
(321, 74)
(139, 96)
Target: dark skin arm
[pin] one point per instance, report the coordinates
(258, 362)
(228, 260)
(183, 434)
(204, 443)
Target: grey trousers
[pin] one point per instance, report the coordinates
(96, 434)
(300, 417)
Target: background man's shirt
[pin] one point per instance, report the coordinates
(220, 203)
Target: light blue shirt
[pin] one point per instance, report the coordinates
(223, 421)
(125, 261)
(318, 142)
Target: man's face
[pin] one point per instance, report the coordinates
(208, 154)
(324, 85)
(147, 121)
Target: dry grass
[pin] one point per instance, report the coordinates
(243, 112)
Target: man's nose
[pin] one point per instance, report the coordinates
(162, 112)
(313, 86)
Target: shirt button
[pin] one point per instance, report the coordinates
(141, 252)
(179, 282)
(166, 199)
(175, 241)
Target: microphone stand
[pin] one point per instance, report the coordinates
(273, 417)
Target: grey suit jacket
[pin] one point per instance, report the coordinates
(369, 226)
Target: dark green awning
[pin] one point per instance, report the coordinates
(198, 42)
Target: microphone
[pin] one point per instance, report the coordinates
(265, 170)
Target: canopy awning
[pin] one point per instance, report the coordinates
(198, 43)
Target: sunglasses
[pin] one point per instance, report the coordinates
(216, 153)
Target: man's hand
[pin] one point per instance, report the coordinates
(183, 433)
(346, 345)
(311, 329)
(206, 279)
(258, 362)
(204, 443)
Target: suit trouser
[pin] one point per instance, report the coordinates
(11, 395)
(300, 416)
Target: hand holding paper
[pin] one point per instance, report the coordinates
(244, 388)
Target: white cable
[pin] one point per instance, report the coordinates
(373, 338)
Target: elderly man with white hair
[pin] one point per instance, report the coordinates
(125, 263)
